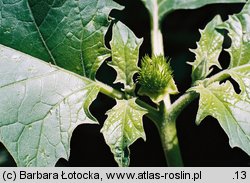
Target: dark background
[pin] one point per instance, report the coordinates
(204, 145)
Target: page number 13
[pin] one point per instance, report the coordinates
(240, 174)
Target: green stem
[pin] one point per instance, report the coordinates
(166, 127)
(217, 77)
(169, 135)
(181, 103)
(156, 35)
(169, 138)
(170, 144)
(110, 91)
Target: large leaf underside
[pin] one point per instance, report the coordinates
(40, 106)
(67, 33)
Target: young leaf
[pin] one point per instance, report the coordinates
(238, 27)
(125, 51)
(122, 128)
(208, 50)
(40, 106)
(231, 109)
(164, 7)
(67, 33)
(239, 32)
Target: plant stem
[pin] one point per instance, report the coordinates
(170, 144)
(168, 134)
(110, 91)
(181, 103)
(156, 35)
(166, 127)
(217, 77)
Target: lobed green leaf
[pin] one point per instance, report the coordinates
(125, 52)
(208, 50)
(238, 27)
(232, 110)
(122, 128)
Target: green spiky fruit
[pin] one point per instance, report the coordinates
(155, 78)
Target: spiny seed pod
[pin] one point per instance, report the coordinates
(155, 78)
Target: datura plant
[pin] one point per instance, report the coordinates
(51, 51)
